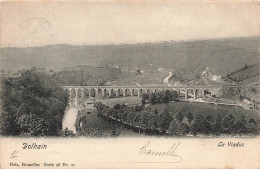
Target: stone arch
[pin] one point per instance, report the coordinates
(134, 92)
(105, 92)
(68, 91)
(198, 93)
(140, 92)
(115, 92)
(99, 91)
(111, 92)
(149, 91)
(127, 92)
(120, 92)
(190, 93)
(92, 92)
(182, 93)
(80, 93)
(207, 91)
(86, 93)
(73, 93)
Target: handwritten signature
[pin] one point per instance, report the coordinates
(14, 154)
(171, 152)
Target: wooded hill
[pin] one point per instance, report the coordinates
(222, 56)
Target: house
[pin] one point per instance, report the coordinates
(247, 104)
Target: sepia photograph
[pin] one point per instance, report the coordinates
(155, 75)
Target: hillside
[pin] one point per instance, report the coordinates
(245, 73)
(146, 78)
(188, 57)
(89, 76)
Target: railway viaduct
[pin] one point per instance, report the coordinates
(117, 91)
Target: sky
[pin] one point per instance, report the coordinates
(86, 23)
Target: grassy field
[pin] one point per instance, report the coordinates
(245, 73)
(121, 100)
(205, 109)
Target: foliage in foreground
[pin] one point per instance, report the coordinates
(32, 105)
(153, 122)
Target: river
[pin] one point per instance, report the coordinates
(70, 117)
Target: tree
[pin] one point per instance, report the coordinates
(229, 124)
(209, 118)
(240, 125)
(189, 116)
(155, 111)
(179, 117)
(176, 128)
(252, 121)
(206, 126)
(116, 113)
(173, 128)
(152, 120)
(153, 98)
(252, 127)
(174, 95)
(137, 121)
(197, 125)
(143, 102)
(33, 104)
(183, 128)
(164, 121)
(144, 120)
(145, 96)
(159, 98)
(31, 125)
(131, 117)
(117, 106)
(217, 126)
(166, 96)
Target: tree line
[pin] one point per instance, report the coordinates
(160, 97)
(151, 121)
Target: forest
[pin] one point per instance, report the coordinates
(32, 104)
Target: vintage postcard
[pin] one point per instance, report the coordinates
(129, 84)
